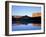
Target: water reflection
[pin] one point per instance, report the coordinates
(21, 27)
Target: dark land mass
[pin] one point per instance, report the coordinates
(26, 20)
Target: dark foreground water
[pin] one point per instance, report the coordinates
(22, 27)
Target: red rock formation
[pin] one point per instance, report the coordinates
(36, 14)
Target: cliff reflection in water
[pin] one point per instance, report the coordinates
(26, 23)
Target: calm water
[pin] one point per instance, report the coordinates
(22, 27)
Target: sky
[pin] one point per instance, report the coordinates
(24, 10)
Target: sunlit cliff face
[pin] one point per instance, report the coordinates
(36, 14)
